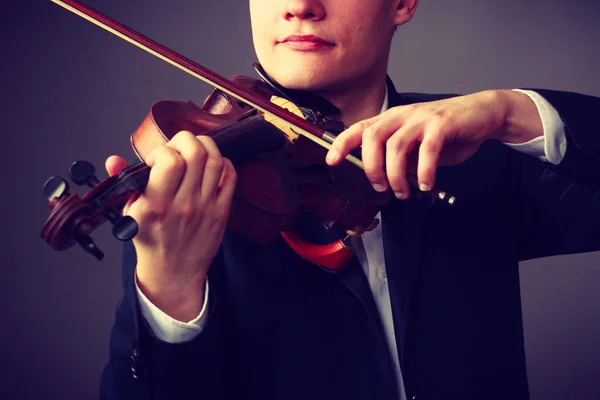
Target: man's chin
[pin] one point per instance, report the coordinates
(304, 78)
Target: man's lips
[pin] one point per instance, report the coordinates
(306, 42)
(306, 38)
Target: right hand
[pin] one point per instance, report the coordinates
(182, 215)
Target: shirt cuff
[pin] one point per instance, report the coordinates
(169, 329)
(552, 146)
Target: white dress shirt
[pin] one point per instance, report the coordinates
(550, 147)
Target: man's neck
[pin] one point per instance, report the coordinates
(358, 103)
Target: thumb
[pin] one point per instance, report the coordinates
(114, 164)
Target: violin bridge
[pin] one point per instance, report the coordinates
(281, 125)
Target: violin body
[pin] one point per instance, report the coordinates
(279, 178)
(277, 148)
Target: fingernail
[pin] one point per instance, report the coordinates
(424, 187)
(332, 156)
(379, 187)
(400, 195)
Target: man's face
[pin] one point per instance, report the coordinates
(320, 45)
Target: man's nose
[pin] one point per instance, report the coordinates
(304, 9)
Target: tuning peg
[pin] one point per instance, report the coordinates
(56, 187)
(124, 228)
(88, 245)
(82, 173)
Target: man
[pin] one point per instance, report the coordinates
(430, 308)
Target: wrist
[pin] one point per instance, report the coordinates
(521, 121)
(181, 299)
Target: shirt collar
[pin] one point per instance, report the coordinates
(384, 106)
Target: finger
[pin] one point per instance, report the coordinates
(194, 155)
(347, 141)
(429, 154)
(132, 199)
(212, 170)
(167, 169)
(226, 187)
(114, 164)
(398, 148)
(374, 151)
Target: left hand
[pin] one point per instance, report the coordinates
(419, 137)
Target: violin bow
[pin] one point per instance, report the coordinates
(273, 111)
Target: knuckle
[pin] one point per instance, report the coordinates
(359, 126)
(396, 177)
(153, 214)
(373, 167)
(182, 135)
(157, 153)
(372, 133)
(221, 216)
(370, 171)
(228, 174)
(397, 142)
(207, 139)
(374, 174)
(187, 209)
(430, 145)
(215, 163)
(172, 161)
(228, 166)
(372, 164)
(425, 168)
(426, 172)
(440, 118)
(166, 154)
(197, 154)
(409, 109)
(340, 142)
(232, 175)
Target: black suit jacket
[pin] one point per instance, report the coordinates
(281, 328)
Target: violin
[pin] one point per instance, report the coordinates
(276, 139)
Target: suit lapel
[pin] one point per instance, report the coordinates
(404, 227)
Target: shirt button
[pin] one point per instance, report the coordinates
(381, 272)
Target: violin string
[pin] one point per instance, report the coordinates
(226, 133)
(191, 68)
(223, 131)
(133, 170)
(178, 61)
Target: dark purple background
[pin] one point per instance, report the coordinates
(73, 91)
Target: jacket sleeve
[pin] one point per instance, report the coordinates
(558, 206)
(141, 366)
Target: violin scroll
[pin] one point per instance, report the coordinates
(72, 219)
(278, 152)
